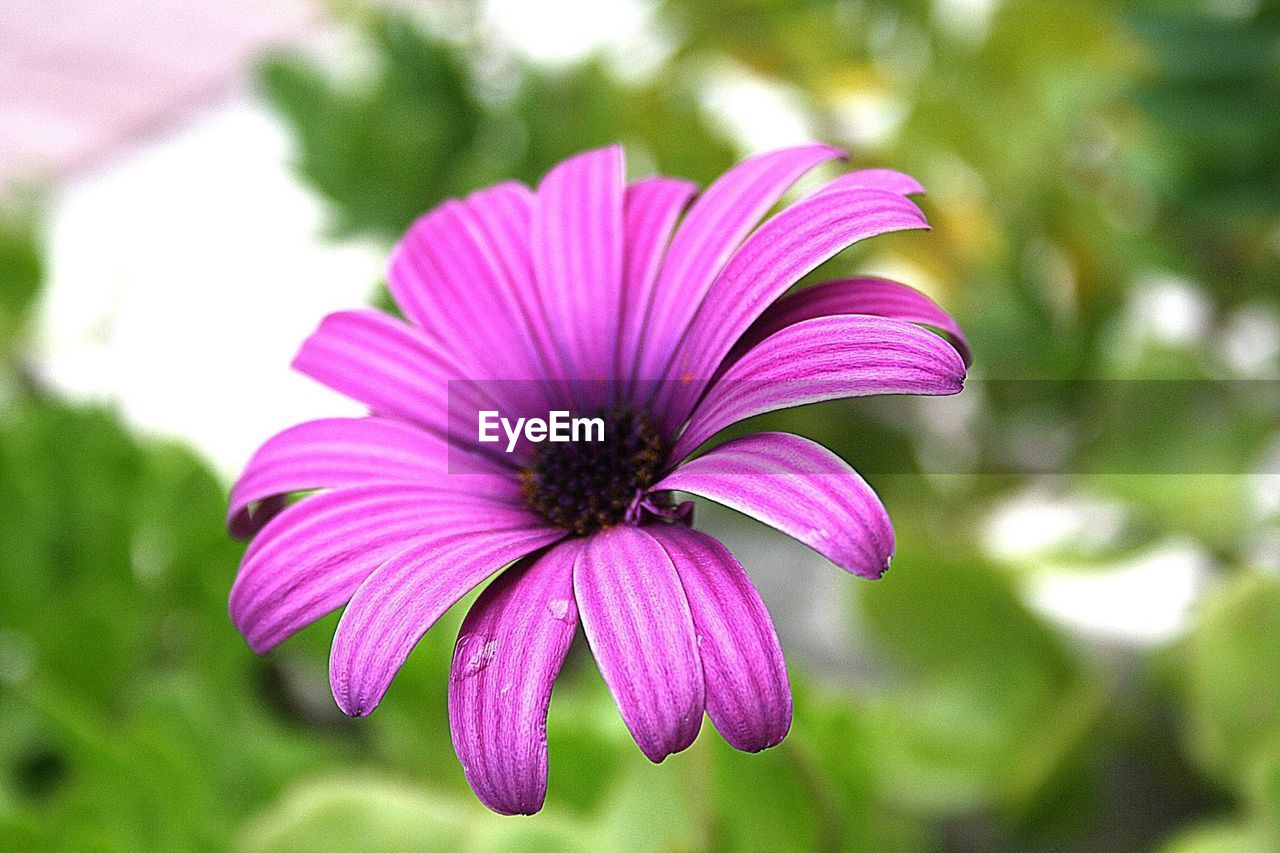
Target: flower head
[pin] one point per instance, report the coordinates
(658, 318)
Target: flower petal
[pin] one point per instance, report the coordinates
(774, 257)
(388, 365)
(748, 695)
(800, 488)
(405, 596)
(337, 452)
(826, 358)
(637, 621)
(578, 258)
(878, 297)
(877, 179)
(712, 230)
(461, 273)
(650, 210)
(309, 560)
(508, 654)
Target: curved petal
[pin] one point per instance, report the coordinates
(650, 210)
(827, 358)
(578, 257)
(748, 695)
(390, 366)
(800, 488)
(337, 452)
(773, 258)
(309, 560)
(405, 596)
(461, 275)
(638, 624)
(876, 179)
(508, 654)
(711, 231)
(878, 297)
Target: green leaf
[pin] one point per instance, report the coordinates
(376, 814)
(122, 664)
(1232, 682)
(995, 713)
(21, 266)
(386, 148)
(1218, 837)
(661, 123)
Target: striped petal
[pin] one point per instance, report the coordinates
(650, 210)
(827, 358)
(309, 560)
(712, 230)
(508, 654)
(774, 258)
(392, 367)
(578, 258)
(876, 179)
(878, 297)
(748, 695)
(638, 624)
(405, 596)
(339, 452)
(800, 488)
(462, 274)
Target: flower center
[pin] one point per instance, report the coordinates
(586, 485)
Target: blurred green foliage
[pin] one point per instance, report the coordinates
(376, 148)
(1081, 155)
(1219, 187)
(424, 125)
(21, 268)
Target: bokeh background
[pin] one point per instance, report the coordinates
(1078, 646)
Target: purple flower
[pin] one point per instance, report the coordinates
(663, 316)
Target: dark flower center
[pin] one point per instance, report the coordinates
(586, 485)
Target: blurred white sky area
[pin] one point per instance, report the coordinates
(184, 275)
(187, 263)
